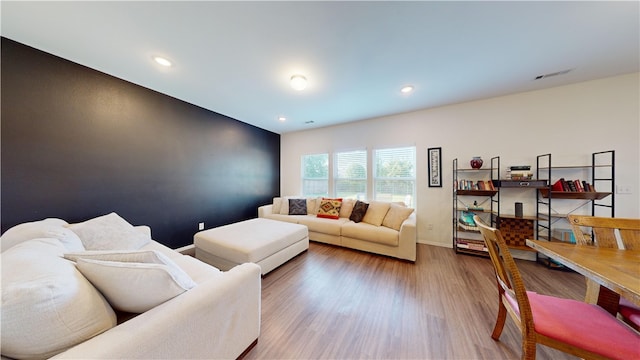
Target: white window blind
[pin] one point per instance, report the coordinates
(395, 175)
(350, 174)
(315, 175)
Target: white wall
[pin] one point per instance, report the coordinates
(570, 122)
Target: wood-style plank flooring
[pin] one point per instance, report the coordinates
(335, 303)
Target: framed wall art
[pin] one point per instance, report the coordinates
(434, 156)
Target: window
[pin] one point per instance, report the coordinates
(395, 175)
(315, 175)
(350, 174)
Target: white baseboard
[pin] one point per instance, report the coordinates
(427, 242)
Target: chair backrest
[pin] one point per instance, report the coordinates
(508, 276)
(604, 230)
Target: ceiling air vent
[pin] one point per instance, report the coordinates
(539, 77)
(309, 122)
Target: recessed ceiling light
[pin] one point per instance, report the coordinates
(162, 61)
(407, 89)
(282, 118)
(298, 82)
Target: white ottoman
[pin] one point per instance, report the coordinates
(268, 243)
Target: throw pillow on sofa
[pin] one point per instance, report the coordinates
(297, 206)
(47, 228)
(396, 215)
(47, 305)
(329, 208)
(376, 212)
(284, 205)
(109, 232)
(133, 282)
(359, 209)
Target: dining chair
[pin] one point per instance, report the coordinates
(603, 232)
(571, 326)
(604, 229)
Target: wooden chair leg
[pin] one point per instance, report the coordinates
(502, 317)
(528, 349)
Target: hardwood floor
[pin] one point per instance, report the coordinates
(335, 303)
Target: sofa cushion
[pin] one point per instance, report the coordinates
(47, 228)
(322, 225)
(329, 208)
(197, 270)
(376, 212)
(346, 207)
(312, 206)
(47, 305)
(359, 209)
(134, 282)
(396, 215)
(277, 204)
(109, 232)
(371, 233)
(286, 218)
(139, 256)
(297, 206)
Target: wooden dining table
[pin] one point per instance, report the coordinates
(615, 269)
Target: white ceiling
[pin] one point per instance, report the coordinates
(236, 58)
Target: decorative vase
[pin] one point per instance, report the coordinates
(476, 162)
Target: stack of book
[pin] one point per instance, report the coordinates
(572, 185)
(473, 185)
(519, 172)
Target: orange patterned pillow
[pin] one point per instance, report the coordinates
(329, 208)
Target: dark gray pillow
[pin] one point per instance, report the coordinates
(359, 209)
(297, 206)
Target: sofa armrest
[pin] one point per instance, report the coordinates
(265, 210)
(219, 318)
(407, 238)
(145, 229)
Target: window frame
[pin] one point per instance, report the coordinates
(337, 171)
(304, 179)
(412, 178)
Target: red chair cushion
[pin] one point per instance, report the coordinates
(629, 311)
(583, 325)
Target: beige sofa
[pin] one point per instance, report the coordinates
(385, 232)
(46, 266)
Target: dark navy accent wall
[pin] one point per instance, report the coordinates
(77, 143)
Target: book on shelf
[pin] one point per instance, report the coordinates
(572, 186)
(519, 174)
(477, 246)
(565, 235)
(485, 185)
(557, 186)
(464, 184)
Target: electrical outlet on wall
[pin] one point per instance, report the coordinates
(201, 226)
(623, 189)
